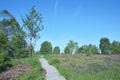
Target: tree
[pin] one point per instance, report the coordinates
(71, 47)
(33, 26)
(56, 50)
(3, 48)
(3, 41)
(14, 32)
(19, 44)
(46, 47)
(115, 47)
(82, 49)
(88, 49)
(2, 58)
(8, 24)
(16, 42)
(66, 50)
(93, 49)
(105, 46)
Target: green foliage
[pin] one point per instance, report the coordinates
(56, 50)
(22, 53)
(46, 47)
(33, 26)
(8, 24)
(52, 60)
(71, 47)
(13, 46)
(3, 41)
(88, 49)
(105, 46)
(80, 50)
(19, 44)
(84, 49)
(66, 50)
(115, 47)
(93, 49)
(81, 67)
(13, 35)
(55, 61)
(2, 58)
(36, 72)
(88, 53)
(3, 49)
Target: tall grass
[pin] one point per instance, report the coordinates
(36, 72)
(86, 67)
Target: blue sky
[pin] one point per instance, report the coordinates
(84, 21)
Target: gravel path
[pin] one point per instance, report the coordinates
(51, 71)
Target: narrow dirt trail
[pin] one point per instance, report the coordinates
(51, 71)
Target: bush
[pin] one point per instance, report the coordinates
(23, 53)
(35, 73)
(88, 53)
(2, 58)
(4, 61)
(55, 61)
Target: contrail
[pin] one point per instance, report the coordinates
(55, 8)
(77, 11)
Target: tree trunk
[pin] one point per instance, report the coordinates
(31, 47)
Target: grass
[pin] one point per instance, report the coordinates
(35, 73)
(82, 67)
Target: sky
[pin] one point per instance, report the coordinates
(83, 21)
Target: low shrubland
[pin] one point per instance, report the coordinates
(24, 69)
(82, 67)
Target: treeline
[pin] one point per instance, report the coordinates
(105, 47)
(18, 41)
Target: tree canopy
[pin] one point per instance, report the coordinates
(115, 47)
(8, 24)
(71, 47)
(86, 48)
(33, 25)
(12, 38)
(46, 47)
(105, 46)
(56, 50)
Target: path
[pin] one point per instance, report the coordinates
(51, 71)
